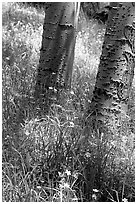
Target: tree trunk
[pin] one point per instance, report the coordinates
(58, 43)
(117, 62)
(114, 78)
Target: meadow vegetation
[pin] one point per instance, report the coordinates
(44, 156)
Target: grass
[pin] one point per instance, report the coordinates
(46, 157)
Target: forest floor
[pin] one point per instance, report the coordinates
(44, 156)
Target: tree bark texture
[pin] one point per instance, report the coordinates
(58, 43)
(114, 79)
(117, 62)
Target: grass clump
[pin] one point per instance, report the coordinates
(48, 157)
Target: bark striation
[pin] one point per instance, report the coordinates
(117, 62)
(113, 83)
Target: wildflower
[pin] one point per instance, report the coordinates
(71, 124)
(87, 155)
(75, 175)
(95, 190)
(66, 185)
(51, 88)
(68, 172)
(124, 200)
(94, 197)
(38, 187)
(72, 92)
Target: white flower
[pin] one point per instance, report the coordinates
(94, 197)
(72, 92)
(68, 172)
(75, 175)
(124, 200)
(71, 124)
(50, 87)
(39, 187)
(95, 190)
(87, 155)
(66, 185)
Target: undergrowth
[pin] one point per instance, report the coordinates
(47, 157)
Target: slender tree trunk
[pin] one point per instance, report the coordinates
(58, 43)
(117, 62)
(115, 75)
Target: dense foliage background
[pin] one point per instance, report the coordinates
(45, 156)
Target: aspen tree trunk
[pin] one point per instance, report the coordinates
(114, 78)
(117, 62)
(58, 43)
